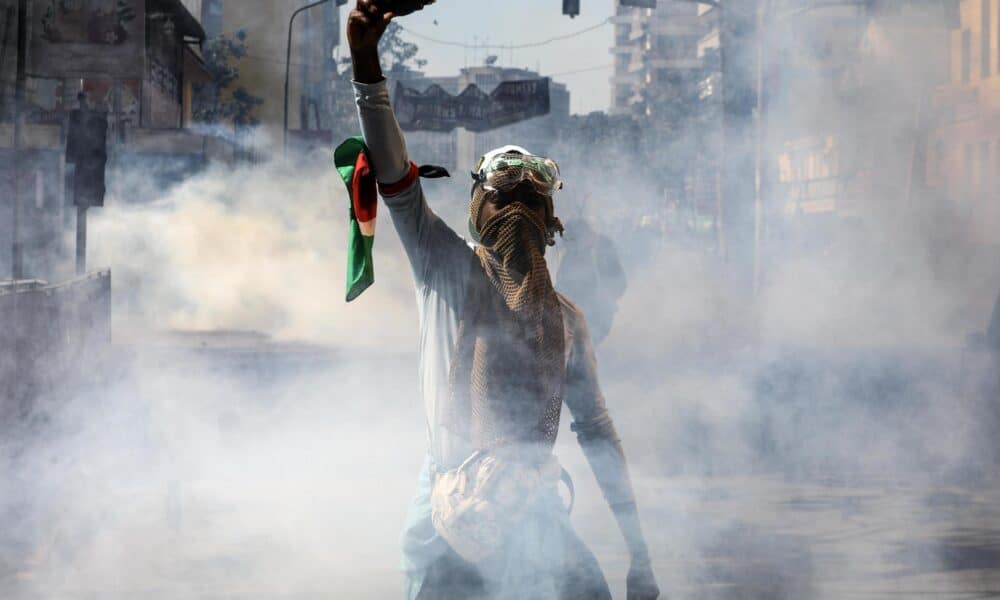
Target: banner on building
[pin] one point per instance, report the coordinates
(639, 3)
(92, 38)
(437, 110)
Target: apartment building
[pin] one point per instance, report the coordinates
(847, 106)
(460, 149)
(963, 158)
(652, 46)
(137, 62)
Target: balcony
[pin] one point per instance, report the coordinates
(177, 142)
(138, 140)
(34, 136)
(955, 103)
(684, 63)
(630, 79)
(678, 25)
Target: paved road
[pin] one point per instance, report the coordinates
(181, 485)
(712, 539)
(766, 538)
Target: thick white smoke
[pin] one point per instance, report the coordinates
(813, 441)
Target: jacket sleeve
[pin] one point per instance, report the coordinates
(599, 440)
(438, 256)
(594, 428)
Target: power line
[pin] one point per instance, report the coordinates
(546, 42)
(584, 70)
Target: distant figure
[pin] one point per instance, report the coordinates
(591, 274)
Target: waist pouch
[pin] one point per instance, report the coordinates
(475, 506)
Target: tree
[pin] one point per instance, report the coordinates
(397, 53)
(397, 56)
(212, 104)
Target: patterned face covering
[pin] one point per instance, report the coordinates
(481, 196)
(508, 370)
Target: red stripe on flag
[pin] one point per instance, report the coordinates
(363, 190)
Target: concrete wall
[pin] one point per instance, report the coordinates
(50, 334)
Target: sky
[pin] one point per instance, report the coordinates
(520, 22)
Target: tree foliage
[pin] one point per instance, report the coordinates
(213, 103)
(395, 52)
(396, 55)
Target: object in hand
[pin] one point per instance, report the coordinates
(402, 7)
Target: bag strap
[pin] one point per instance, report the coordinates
(566, 479)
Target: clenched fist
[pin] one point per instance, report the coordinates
(368, 20)
(401, 8)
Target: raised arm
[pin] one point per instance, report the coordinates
(601, 445)
(365, 27)
(438, 256)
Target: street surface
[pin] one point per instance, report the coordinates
(719, 538)
(243, 476)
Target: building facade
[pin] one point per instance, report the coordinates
(459, 150)
(963, 158)
(652, 48)
(313, 62)
(136, 61)
(848, 124)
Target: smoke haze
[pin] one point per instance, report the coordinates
(817, 440)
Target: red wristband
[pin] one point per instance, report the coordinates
(394, 189)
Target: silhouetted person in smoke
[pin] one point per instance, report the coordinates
(500, 351)
(591, 273)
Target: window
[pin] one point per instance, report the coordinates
(966, 52)
(984, 42)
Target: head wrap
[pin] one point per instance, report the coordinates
(508, 370)
(479, 198)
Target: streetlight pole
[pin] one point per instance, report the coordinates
(288, 61)
(762, 9)
(17, 261)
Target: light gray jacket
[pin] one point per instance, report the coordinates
(440, 262)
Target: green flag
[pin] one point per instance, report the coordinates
(352, 162)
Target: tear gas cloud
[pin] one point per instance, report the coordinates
(262, 248)
(190, 474)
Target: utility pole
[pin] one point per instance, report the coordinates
(288, 64)
(759, 160)
(86, 150)
(738, 23)
(17, 262)
(81, 240)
